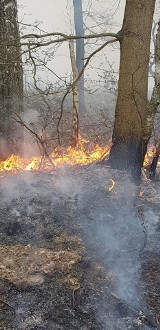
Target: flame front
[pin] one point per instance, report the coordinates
(82, 154)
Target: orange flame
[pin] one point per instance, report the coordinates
(82, 154)
(151, 152)
(149, 155)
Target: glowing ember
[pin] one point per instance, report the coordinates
(81, 155)
(112, 185)
(141, 193)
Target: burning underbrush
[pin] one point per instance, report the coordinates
(84, 153)
(78, 250)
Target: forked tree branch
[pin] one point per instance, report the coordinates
(40, 140)
(77, 79)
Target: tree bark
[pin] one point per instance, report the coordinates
(78, 20)
(155, 98)
(127, 149)
(75, 114)
(11, 78)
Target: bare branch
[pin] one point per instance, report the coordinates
(40, 140)
(66, 37)
(79, 76)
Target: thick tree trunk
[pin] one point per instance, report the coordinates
(78, 19)
(127, 149)
(11, 78)
(155, 98)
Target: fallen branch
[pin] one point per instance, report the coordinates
(141, 317)
(7, 304)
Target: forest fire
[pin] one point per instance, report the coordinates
(149, 156)
(84, 153)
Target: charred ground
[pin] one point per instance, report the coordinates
(75, 255)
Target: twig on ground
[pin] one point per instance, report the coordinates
(6, 303)
(73, 295)
(142, 318)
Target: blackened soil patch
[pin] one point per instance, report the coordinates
(72, 252)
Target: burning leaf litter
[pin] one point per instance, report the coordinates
(84, 153)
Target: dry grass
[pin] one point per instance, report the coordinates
(26, 264)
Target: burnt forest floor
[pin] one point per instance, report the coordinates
(77, 254)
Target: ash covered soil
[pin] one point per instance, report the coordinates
(78, 253)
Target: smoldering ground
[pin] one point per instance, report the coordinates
(76, 250)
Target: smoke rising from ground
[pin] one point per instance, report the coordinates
(78, 200)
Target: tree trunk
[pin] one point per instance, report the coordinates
(75, 116)
(155, 98)
(78, 20)
(131, 107)
(11, 77)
